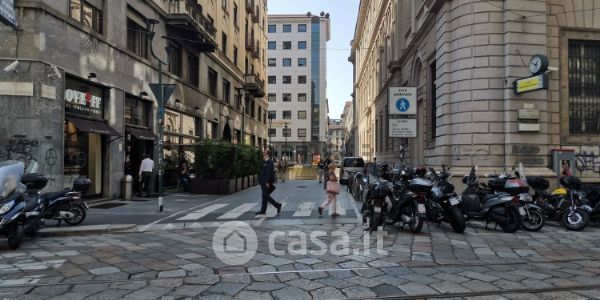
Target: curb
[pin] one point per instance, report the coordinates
(85, 230)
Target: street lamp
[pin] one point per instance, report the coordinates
(285, 134)
(243, 104)
(270, 117)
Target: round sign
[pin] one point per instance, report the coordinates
(402, 104)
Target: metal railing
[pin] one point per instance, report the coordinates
(193, 10)
(250, 6)
(250, 45)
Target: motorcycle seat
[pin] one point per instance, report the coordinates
(55, 195)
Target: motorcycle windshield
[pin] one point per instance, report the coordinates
(10, 176)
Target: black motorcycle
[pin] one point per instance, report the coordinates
(374, 207)
(407, 199)
(588, 197)
(67, 205)
(359, 185)
(481, 203)
(562, 208)
(442, 203)
(21, 207)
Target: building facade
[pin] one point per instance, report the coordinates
(463, 57)
(297, 50)
(335, 141)
(348, 127)
(79, 101)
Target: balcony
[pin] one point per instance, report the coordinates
(256, 53)
(250, 45)
(256, 15)
(250, 6)
(187, 13)
(254, 86)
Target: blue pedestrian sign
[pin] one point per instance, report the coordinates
(402, 104)
(402, 100)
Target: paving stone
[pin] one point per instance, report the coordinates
(90, 288)
(71, 296)
(190, 290)
(264, 286)
(327, 293)
(104, 271)
(172, 273)
(50, 291)
(305, 284)
(451, 277)
(201, 280)
(167, 282)
(358, 292)
(479, 276)
(446, 287)
(291, 293)
(252, 295)
(533, 275)
(366, 282)
(479, 286)
(128, 285)
(414, 288)
(226, 288)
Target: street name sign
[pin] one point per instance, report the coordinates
(530, 84)
(402, 100)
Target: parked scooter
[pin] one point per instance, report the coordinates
(407, 200)
(67, 205)
(374, 207)
(481, 203)
(442, 203)
(21, 206)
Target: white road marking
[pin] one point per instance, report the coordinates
(238, 211)
(196, 215)
(339, 207)
(305, 209)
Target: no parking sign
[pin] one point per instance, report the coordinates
(403, 100)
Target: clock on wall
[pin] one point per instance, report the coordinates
(538, 64)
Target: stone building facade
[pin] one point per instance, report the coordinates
(348, 126)
(78, 102)
(463, 57)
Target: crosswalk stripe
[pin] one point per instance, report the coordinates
(339, 207)
(271, 211)
(196, 215)
(304, 210)
(238, 211)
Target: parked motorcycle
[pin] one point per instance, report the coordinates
(588, 197)
(442, 203)
(359, 185)
(561, 206)
(67, 205)
(406, 201)
(21, 206)
(481, 203)
(375, 207)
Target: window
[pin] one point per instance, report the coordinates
(287, 62)
(302, 79)
(287, 114)
(272, 62)
(272, 132)
(287, 45)
(302, 97)
(272, 45)
(301, 114)
(287, 97)
(137, 39)
(433, 108)
(301, 44)
(301, 132)
(301, 27)
(174, 59)
(272, 115)
(287, 79)
(226, 91)
(86, 14)
(235, 15)
(212, 82)
(272, 28)
(224, 43)
(136, 111)
(584, 94)
(193, 70)
(301, 62)
(287, 132)
(287, 27)
(235, 55)
(272, 97)
(272, 80)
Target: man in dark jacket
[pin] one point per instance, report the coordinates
(266, 179)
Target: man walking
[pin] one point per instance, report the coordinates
(146, 174)
(266, 179)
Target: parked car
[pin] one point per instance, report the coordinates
(350, 164)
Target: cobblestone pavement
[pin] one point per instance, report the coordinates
(174, 264)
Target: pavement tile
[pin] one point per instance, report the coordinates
(447, 287)
(305, 284)
(479, 276)
(226, 288)
(479, 286)
(166, 283)
(149, 292)
(359, 292)
(327, 293)
(172, 273)
(291, 293)
(416, 289)
(253, 295)
(366, 282)
(189, 290)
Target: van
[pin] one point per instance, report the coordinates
(351, 164)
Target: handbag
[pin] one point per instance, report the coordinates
(333, 187)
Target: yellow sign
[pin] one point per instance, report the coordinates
(530, 84)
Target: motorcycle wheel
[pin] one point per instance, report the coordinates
(375, 221)
(575, 221)
(79, 212)
(15, 237)
(416, 222)
(535, 221)
(457, 219)
(513, 220)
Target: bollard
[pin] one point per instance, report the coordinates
(160, 204)
(127, 187)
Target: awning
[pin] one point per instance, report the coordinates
(92, 126)
(141, 134)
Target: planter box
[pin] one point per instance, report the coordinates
(255, 179)
(239, 185)
(227, 186)
(245, 182)
(204, 186)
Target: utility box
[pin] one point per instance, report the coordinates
(127, 187)
(560, 156)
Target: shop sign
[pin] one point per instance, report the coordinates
(530, 84)
(7, 12)
(403, 128)
(83, 103)
(402, 100)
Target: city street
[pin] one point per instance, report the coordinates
(153, 260)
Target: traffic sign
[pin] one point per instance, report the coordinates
(402, 100)
(168, 90)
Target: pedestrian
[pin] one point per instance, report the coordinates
(184, 175)
(281, 170)
(266, 179)
(145, 174)
(326, 172)
(320, 169)
(331, 191)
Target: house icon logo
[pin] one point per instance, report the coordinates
(235, 243)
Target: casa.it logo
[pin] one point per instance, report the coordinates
(235, 243)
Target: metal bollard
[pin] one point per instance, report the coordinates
(127, 187)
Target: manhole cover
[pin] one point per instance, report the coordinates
(108, 205)
(301, 186)
(231, 270)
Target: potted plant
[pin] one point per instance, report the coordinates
(206, 165)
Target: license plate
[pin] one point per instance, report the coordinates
(522, 211)
(453, 201)
(377, 209)
(421, 208)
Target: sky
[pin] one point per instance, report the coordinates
(342, 15)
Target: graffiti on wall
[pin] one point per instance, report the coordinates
(587, 162)
(19, 148)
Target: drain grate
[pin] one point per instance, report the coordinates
(108, 205)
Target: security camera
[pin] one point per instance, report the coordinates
(13, 65)
(55, 72)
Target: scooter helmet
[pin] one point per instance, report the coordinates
(420, 171)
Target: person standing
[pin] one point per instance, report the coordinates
(320, 169)
(266, 179)
(184, 175)
(145, 174)
(331, 191)
(281, 170)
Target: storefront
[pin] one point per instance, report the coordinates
(86, 133)
(139, 138)
(181, 133)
